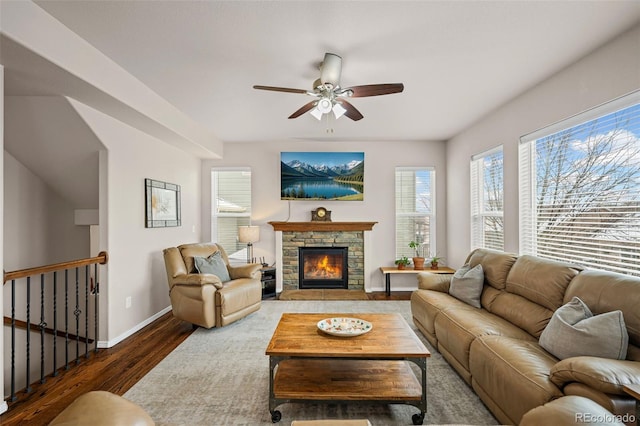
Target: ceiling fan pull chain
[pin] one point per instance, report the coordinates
(329, 128)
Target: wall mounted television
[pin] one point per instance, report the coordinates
(322, 176)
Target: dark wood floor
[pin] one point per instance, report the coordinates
(115, 370)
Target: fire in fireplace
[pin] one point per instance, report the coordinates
(323, 267)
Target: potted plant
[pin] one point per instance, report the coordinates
(434, 261)
(402, 262)
(418, 260)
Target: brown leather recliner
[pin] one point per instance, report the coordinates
(203, 299)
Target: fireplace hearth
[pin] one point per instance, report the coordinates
(323, 267)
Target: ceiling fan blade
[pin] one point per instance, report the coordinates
(306, 107)
(374, 90)
(352, 112)
(281, 89)
(331, 69)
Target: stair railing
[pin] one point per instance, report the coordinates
(72, 274)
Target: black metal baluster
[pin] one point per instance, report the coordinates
(28, 376)
(66, 319)
(42, 326)
(13, 340)
(86, 310)
(76, 312)
(96, 301)
(55, 323)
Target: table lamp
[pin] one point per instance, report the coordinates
(249, 235)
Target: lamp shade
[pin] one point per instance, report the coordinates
(248, 234)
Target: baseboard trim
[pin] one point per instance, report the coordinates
(4, 407)
(112, 342)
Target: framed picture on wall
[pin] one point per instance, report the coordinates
(322, 176)
(162, 204)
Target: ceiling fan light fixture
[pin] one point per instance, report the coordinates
(324, 105)
(338, 110)
(317, 114)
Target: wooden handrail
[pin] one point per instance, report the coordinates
(101, 258)
(47, 330)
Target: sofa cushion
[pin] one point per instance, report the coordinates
(426, 305)
(541, 281)
(518, 310)
(496, 265)
(570, 410)
(513, 373)
(466, 284)
(212, 265)
(456, 328)
(604, 375)
(575, 331)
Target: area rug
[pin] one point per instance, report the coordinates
(221, 377)
(323, 294)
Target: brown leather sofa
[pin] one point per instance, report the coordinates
(203, 299)
(495, 348)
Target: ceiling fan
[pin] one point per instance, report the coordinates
(330, 97)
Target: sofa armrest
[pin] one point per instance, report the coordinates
(250, 270)
(198, 280)
(436, 282)
(603, 374)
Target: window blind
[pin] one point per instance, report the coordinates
(415, 210)
(487, 194)
(231, 206)
(580, 189)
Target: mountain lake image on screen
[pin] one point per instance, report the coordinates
(322, 176)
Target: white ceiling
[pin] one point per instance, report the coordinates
(458, 60)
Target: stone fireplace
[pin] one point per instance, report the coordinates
(291, 236)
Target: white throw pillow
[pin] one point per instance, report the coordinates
(574, 331)
(466, 284)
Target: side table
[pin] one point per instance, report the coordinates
(388, 270)
(268, 279)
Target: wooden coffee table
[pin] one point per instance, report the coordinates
(308, 365)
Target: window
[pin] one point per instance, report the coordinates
(415, 210)
(580, 189)
(230, 206)
(487, 230)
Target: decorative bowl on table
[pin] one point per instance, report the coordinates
(344, 327)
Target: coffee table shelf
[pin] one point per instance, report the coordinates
(344, 380)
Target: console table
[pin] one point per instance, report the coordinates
(387, 271)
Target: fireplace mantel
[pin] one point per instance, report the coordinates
(322, 226)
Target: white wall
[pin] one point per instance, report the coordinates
(381, 159)
(607, 73)
(39, 225)
(136, 266)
